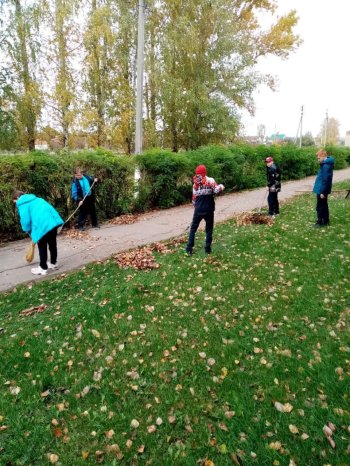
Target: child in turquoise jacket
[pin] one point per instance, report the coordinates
(40, 220)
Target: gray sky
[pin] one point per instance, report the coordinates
(316, 75)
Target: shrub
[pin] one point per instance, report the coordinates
(50, 177)
(166, 177)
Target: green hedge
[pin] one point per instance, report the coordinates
(50, 177)
(166, 178)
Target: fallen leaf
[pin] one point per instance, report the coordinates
(53, 458)
(293, 429)
(275, 445)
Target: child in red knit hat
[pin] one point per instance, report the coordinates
(204, 190)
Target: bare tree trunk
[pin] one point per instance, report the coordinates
(63, 86)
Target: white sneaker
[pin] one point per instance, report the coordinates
(52, 266)
(39, 271)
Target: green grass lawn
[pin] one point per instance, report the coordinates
(187, 364)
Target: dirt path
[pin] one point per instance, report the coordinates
(154, 226)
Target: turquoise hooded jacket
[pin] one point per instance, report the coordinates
(37, 216)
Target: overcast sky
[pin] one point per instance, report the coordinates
(316, 75)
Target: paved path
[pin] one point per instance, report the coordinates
(154, 226)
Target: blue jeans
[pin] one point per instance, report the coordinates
(209, 226)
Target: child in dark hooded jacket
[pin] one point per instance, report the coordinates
(323, 187)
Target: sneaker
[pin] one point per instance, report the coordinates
(52, 266)
(97, 227)
(39, 271)
(189, 253)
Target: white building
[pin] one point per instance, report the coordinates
(347, 139)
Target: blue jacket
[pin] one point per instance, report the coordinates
(323, 182)
(37, 216)
(81, 187)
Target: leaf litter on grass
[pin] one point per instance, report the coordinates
(196, 353)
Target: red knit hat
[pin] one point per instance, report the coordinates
(269, 159)
(201, 170)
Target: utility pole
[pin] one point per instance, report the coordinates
(139, 85)
(301, 126)
(325, 130)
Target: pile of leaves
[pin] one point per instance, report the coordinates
(75, 234)
(126, 219)
(33, 310)
(253, 218)
(142, 258)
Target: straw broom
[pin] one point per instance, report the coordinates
(30, 252)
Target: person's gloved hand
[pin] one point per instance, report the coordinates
(219, 188)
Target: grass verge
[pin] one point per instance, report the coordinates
(240, 357)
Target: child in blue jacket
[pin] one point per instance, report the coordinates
(40, 220)
(323, 187)
(83, 194)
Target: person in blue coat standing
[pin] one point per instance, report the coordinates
(40, 220)
(83, 194)
(323, 187)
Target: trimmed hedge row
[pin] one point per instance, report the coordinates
(166, 177)
(50, 177)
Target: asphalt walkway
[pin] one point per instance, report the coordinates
(154, 226)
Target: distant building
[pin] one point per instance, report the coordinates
(277, 137)
(254, 140)
(347, 139)
(41, 145)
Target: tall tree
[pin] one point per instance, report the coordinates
(206, 61)
(125, 80)
(99, 66)
(9, 137)
(61, 53)
(329, 132)
(21, 50)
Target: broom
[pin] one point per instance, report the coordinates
(60, 227)
(30, 252)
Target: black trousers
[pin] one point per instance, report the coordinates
(209, 226)
(48, 240)
(272, 200)
(87, 208)
(322, 210)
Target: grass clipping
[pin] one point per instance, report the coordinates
(253, 218)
